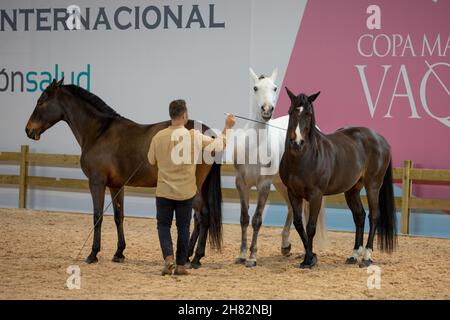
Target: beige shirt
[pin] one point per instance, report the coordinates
(176, 151)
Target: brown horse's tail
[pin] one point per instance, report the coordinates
(387, 222)
(212, 197)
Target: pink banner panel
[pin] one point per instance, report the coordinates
(383, 65)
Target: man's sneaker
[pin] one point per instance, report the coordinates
(169, 266)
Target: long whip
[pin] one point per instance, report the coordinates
(257, 121)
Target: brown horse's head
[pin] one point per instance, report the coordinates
(47, 112)
(301, 117)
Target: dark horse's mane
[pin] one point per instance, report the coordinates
(93, 100)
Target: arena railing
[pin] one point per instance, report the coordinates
(405, 176)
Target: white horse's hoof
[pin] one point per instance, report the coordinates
(286, 251)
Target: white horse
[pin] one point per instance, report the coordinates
(257, 153)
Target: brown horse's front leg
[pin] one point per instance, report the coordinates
(97, 188)
(117, 195)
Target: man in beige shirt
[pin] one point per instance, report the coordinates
(175, 152)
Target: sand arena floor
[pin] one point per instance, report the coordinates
(36, 247)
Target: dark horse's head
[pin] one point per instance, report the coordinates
(301, 117)
(47, 112)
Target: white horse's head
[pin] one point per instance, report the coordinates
(265, 94)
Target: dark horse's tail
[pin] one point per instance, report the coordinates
(387, 226)
(212, 197)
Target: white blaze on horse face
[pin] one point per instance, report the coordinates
(298, 133)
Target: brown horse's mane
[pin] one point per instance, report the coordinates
(92, 100)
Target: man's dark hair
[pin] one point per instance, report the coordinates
(177, 108)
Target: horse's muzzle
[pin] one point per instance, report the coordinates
(267, 112)
(32, 133)
(297, 145)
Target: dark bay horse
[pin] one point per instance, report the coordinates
(112, 148)
(315, 164)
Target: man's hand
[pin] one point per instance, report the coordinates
(230, 121)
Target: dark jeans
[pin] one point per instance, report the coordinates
(164, 216)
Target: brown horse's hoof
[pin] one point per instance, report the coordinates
(309, 264)
(91, 259)
(365, 263)
(118, 259)
(286, 251)
(351, 260)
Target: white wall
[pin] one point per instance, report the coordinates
(138, 72)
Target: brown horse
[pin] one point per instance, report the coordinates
(315, 164)
(112, 148)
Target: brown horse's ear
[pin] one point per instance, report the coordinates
(313, 97)
(53, 84)
(60, 82)
(290, 94)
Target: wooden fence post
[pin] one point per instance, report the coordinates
(406, 196)
(23, 176)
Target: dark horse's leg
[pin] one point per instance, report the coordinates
(97, 187)
(297, 205)
(359, 216)
(314, 209)
(372, 197)
(118, 194)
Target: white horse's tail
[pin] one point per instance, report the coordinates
(321, 241)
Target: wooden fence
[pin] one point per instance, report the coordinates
(407, 175)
